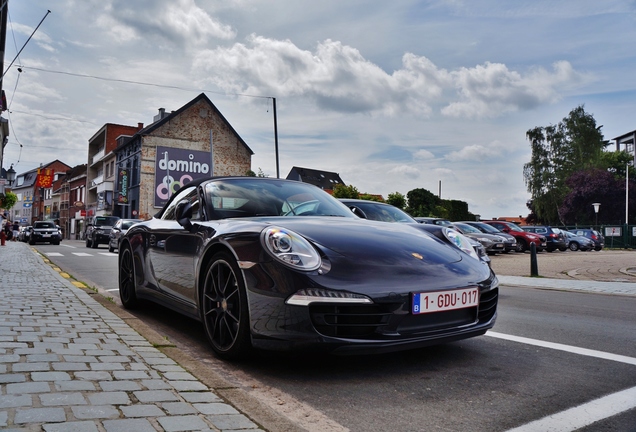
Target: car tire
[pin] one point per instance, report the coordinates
(574, 246)
(56, 243)
(94, 244)
(127, 279)
(111, 249)
(563, 249)
(522, 246)
(88, 242)
(31, 242)
(224, 310)
(598, 248)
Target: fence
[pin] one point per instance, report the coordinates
(616, 236)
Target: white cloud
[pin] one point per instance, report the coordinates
(405, 170)
(492, 89)
(478, 152)
(176, 21)
(423, 154)
(336, 76)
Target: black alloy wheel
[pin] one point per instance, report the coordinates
(127, 281)
(521, 246)
(224, 308)
(88, 242)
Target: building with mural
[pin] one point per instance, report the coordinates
(192, 142)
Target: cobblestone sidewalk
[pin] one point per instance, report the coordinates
(69, 364)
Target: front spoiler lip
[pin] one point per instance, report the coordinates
(347, 347)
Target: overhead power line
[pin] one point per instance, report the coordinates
(141, 82)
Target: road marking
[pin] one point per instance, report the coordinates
(110, 254)
(54, 254)
(68, 246)
(567, 348)
(585, 414)
(82, 254)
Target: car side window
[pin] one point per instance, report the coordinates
(189, 193)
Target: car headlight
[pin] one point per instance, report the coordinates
(290, 249)
(460, 241)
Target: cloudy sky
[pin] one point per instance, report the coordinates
(393, 96)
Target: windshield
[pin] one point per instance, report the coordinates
(514, 227)
(249, 197)
(385, 213)
(106, 220)
(44, 225)
(487, 228)
(467, 228)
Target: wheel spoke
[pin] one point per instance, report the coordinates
(221, 305)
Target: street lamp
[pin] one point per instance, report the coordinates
(596, 207)
(11, 175)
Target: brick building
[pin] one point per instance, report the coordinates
(193, 142)
(100, 171)
(35, 203)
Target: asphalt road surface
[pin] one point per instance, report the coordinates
(551, 353)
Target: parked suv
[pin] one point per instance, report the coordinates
(524, 239)
(555, 239)
(595, 236)
(98, 230)
(45, 232)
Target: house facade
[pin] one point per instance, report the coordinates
(193, 142)
(34, 202)
(100, 172)
(72, 202)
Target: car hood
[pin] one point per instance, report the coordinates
(382, 243)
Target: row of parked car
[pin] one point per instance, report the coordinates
(494, 235)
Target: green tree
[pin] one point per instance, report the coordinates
(8, 200)
(369, 197)
(576, 143)
(422, 202)
(616, 162)
(397, 199)
(343, 191)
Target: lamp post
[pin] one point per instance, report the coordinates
(11, 175)
(596, 207)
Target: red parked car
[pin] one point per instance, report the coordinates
(524, 239)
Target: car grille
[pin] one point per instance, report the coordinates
(380, 322)
(349, 320)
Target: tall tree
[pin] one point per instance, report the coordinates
(576, 143)
(597, 186)
(422, 202)
(397, 199)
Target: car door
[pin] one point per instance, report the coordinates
(173, 250)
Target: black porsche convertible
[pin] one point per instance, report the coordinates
(278, 264)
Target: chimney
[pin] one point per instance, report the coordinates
(140, 126)
(162, 114)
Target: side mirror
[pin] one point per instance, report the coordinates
(183, 213)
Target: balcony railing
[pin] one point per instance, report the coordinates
(98, 156)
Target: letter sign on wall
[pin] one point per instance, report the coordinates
(175, 168)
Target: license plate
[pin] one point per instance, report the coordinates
(439, 301)
(46, 235)
(499, 245)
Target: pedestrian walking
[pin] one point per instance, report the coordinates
(8, 232)
(16, 230)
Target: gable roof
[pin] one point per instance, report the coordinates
(151, 127)
(323, 179)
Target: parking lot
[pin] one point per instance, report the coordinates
(606, 265)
